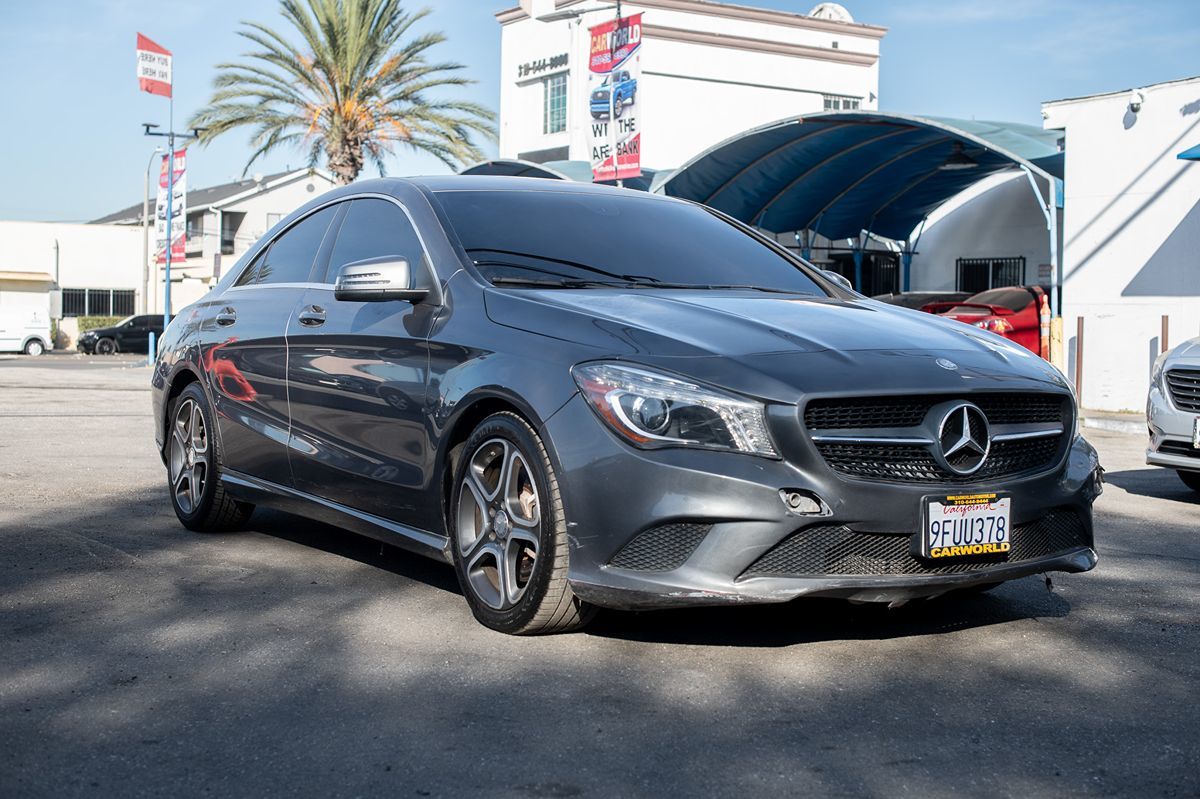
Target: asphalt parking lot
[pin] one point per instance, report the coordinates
(140, 659)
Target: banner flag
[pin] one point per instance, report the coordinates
(614, 69)
(178, 211)
(153, 67)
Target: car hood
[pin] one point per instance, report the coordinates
(797, 342)
(1186, 354)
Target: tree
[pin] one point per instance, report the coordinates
(354, 87)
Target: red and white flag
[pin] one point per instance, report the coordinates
(153, 67)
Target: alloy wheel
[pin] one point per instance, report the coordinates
(188, 461)
(499, 521)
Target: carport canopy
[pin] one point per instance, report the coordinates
(840, 173)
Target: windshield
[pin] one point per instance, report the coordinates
(582, 240)
(124, 321)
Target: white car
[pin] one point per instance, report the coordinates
(1173, 412)
(24, 330)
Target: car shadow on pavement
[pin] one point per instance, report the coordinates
(1153, 482)
(806, 621)
(361, 549)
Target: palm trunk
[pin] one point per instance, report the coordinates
(345, 159)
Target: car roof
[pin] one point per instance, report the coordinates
(439, 183)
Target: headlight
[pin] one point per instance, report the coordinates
(1157, 371)
(650, 409)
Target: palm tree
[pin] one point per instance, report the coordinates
(354, 88)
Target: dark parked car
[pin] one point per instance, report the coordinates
(626, 93)
(131, 334)
(468, 368)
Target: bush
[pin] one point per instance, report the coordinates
(92, 322)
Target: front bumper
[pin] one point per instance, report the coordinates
(613, 493)
(1171, 432)
(86, 346)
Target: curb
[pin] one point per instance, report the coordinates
(1128, 426)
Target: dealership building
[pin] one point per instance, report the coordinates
(709, 71)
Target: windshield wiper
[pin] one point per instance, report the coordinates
(573, 264)
(565, 283)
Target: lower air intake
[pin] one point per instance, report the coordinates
(662, 548)
(835, 550)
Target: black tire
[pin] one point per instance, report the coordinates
(546, 604)
(34, 347)
(618, 107)
(211, 509)
(105, 346)
(1190, 479)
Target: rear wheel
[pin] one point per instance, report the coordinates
(35, 347)
(106, 346)
(194, 468)
(1190, 479)
(509, 536)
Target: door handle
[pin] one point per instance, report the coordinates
(226, 317)
(312, 316)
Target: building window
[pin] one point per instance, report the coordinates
(980, 274)
(554, 110)
(838, 102)
(97, 302)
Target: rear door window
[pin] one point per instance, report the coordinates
(290, 257)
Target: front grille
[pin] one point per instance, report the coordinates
(1183, 448)
(909, 411)
(661, 548)
(859, 417)
(912, 463)
(1184, 385)
(833, 550)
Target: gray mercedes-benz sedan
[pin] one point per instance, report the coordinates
(586, 397)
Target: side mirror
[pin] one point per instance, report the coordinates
(377, 280)
(838, 278)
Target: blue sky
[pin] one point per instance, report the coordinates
(74, 150)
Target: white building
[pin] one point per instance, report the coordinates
(1131, 232)
(710, 70)
(222, 223)
(102, 267)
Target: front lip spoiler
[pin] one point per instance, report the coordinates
(889, 588)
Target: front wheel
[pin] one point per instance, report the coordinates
(1190, 479)
(509, 536)
(105, 346)
(194, 467)
(35, 347)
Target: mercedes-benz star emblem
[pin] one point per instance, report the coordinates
(963, 439)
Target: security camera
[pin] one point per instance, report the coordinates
(1136, 98)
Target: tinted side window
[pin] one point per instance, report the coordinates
(290, 257)
(250, 274)
(372, 229)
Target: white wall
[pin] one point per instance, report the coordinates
(996, 218)
(1131, 233)
(89, 256)
(682, 115)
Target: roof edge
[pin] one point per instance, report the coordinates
(1118, 92)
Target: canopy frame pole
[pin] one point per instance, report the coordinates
(906, 254)
(1050, 211)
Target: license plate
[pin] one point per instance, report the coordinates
(967, 526)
